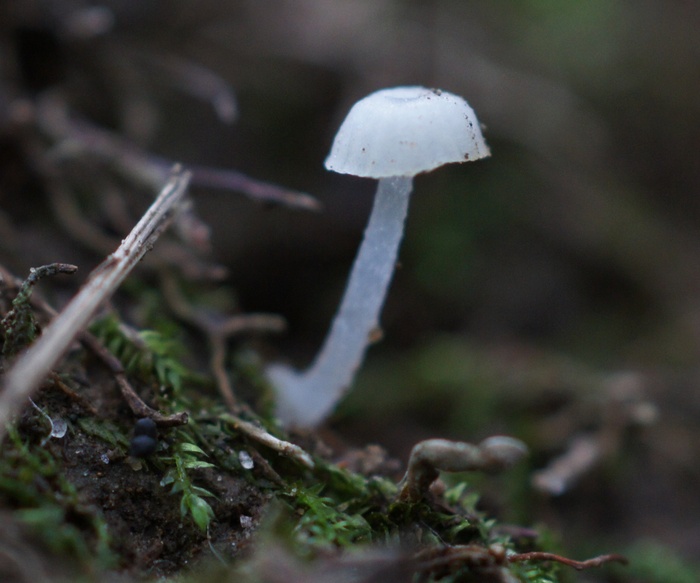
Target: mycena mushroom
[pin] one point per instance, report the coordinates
(390, 135)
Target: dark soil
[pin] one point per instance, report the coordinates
(149, 535)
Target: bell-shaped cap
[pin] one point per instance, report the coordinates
(404, 131)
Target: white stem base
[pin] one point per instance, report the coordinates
(305, 399)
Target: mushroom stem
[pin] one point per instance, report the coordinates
(306, 398)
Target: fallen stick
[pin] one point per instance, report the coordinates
(30, 369)
(262, 436)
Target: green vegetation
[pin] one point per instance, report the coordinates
(322, 510)
(186, 457)
(33, 481)
(151, 354)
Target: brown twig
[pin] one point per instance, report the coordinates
(78, 136)
(259, 190)
(443, 559)
(578, 565)
(138, 407)
(218, 329)
(264, 466)
(33, 366)
(217, 343)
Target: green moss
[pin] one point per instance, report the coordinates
(32, 480)
(105, 430)
(148, 353)
(186, 458)
(327, 508)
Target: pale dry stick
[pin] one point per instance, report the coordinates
(260, 435)
(93, 344)
(33, 366)
(581, 455)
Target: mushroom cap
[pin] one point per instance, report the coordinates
(404, 131)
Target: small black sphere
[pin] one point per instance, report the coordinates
(142, 446)
(147, 427)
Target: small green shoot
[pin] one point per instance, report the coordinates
(322, 523)
(187, 458)
(148, 353)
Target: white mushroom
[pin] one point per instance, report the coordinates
(390, 135)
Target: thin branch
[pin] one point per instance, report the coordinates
(195, 80)
(578, 565)
(218, 336)
(93, 344)
(262, 436)
(254, 189)
(218, 328)
(78, 136)
(138, 407)
(32, 367)
(437, 559)
(217, 364)
(583, 453)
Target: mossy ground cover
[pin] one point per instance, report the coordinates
(208, 493)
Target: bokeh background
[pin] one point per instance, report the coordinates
(551, 291)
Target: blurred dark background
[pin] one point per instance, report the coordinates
(541, 291)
